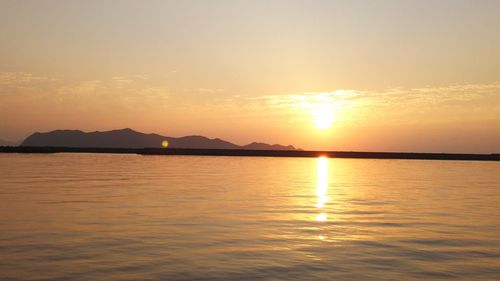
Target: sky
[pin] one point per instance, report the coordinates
(381, 75)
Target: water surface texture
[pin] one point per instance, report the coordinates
(131, 217)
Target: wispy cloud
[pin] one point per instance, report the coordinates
(210, 91)
(307, 99)
(430, 95)
(141, 93)
(23, 83)
(20, 78)
(129, 92)
(390, 105)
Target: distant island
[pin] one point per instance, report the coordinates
(128, 138)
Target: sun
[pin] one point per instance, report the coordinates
(323, 117)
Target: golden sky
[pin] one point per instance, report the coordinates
(341, 75)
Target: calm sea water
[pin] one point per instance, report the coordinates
(131, 217)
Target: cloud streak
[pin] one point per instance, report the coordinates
(396, 105)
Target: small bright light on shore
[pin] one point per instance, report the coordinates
(164, 144)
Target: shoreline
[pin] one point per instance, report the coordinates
(256, 153)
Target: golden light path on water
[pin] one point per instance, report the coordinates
(322, 187)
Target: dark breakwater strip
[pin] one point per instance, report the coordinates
(255, 153)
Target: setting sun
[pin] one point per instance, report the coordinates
(323, 117)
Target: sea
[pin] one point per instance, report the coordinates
(131, 217)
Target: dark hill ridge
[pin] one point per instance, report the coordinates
(265, 146)
(128, 138)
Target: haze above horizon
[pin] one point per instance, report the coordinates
(419, 76)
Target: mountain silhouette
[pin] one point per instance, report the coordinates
(265, 146)
(128, 138)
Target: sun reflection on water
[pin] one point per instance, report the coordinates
(322, 187)
(322, 217)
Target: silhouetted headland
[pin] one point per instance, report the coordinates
(247, 152)
(128, 138)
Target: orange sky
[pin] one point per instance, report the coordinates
(340, 75)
